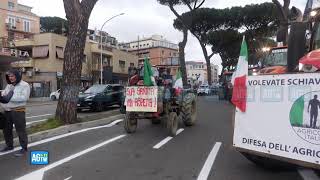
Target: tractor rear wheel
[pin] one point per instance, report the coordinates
(188, 112)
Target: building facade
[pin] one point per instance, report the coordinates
(197, 72)
(96, 35)
(43, 71)
(17, 22)
(161, 52)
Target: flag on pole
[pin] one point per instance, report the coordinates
(178, 83)
(239, 79)
(147, 73)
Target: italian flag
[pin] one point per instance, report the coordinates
(239, 79)
(299, 115)
(147, 73)
(178, 84)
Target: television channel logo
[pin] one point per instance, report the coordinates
(39, 157)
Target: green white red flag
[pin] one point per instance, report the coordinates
(239, 79)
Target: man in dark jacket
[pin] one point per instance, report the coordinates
(315, 105)
(14, 99)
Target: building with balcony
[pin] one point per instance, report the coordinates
(161, 52)
(197, 72)
(16, 22)
(43, 71)
(96, 35)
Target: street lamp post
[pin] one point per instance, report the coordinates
(101, 61)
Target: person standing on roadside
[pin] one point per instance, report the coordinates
(14, 99)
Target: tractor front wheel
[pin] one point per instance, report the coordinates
(130, 123)
(172, 124)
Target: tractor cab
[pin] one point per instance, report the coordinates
(275, 62)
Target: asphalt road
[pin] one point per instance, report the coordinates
(40, 111)
(108, 153)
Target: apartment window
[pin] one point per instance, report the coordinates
(122, 64)
(12, 22)
(26, 26)
(84, 59)
(10, 5)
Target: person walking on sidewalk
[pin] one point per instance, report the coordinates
(14, 99)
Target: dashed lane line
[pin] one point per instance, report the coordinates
(205, 171)
(38, 174)
(167, 139)
(68, 178)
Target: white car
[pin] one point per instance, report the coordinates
(55, 95)
(203, 90)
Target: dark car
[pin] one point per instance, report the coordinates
(98, 97)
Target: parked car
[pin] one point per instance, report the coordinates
(214, 89)
(55, 95)
(203, 90)
(98, 97)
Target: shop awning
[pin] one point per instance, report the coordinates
(40, 51)
(59, 51)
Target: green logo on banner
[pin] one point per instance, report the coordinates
(304, 117)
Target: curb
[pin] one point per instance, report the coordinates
(67, 129)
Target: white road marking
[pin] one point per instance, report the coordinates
(68, 178)
(39, 116)
(38, 174)
(167, 139)
(308, 174)
(31, 122)
(179, 131)
(63, 135)
(204, 173)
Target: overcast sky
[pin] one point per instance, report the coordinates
(142, 18)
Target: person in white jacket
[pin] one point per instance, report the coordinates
(13, 100)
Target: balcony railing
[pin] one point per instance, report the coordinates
(105, 47)
(171, 61)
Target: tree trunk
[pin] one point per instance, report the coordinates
(182, 60)
(207, 58)
(78, 17)
(284, 12)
